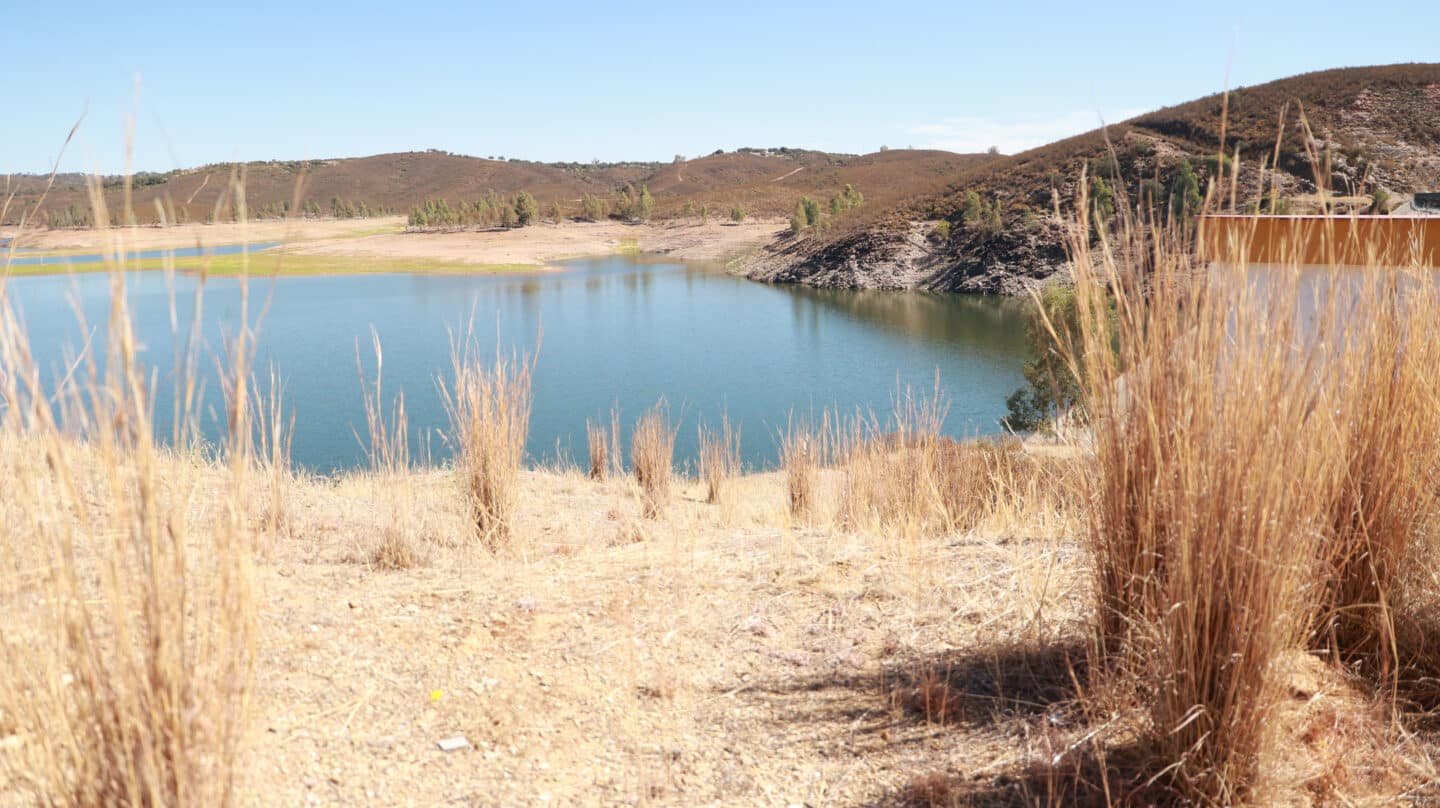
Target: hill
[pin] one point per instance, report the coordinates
(765, 182)
(1375, 127)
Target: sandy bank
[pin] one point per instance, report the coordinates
(385, 240)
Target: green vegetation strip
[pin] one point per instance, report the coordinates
(277, 262)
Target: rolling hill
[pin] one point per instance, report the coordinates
(1376, 127)
(765, 182)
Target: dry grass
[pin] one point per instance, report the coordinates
(719, 457)
(597, 438)
(1264, 443)
(805, 448)
(652, 452)
(1383, 514)
(489, 410)
(130, 642)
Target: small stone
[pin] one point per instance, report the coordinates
(454, 744)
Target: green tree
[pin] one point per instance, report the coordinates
(593, 207)
(737, 214)
(525, 208)
(645, 205)
(1102, 202)
(1050, 388)
(941, 233)
(811, 210)
(798, 219)
(704, 214)
(972, 212)
(1185, 197)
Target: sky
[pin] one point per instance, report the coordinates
(208, 82)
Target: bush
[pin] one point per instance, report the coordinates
(940, 234)
(737, 214)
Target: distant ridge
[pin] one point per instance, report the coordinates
(1379, 127)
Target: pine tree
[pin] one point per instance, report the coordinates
(646, 204)
(525, 208)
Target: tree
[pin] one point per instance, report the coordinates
(737, 214)
(645, 204)
(972, 212)
(1051, 389)
(798, 220)
(1102, 202)
(1185, 191)
(941, 233)
(525, 208)
(704, 214)
(593, 207)
(811, 209)
(556, 213)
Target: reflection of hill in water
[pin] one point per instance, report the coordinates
(981, 323)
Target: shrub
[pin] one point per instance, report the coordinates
(737, 214)
(940, 234)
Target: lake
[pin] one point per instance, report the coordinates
(612, 331)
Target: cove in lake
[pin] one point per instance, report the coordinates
(21, 259)
(623, 331)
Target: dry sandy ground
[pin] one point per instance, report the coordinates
(384, 239)
(717, 655)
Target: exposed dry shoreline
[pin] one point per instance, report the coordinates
(385, 239)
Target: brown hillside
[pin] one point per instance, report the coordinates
(1376, 128)
(763, 182)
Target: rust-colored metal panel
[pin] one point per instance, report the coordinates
(1324, 240)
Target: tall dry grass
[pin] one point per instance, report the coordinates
(807, 447)
(603, 443)
(387, 448)
(489, 409)
(719, 456)
(130, 622)
(1383, 516)
(1264, 443)
(652, 453)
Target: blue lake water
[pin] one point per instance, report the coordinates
(616, 331)
(21, 258)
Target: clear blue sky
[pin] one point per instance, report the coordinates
(575, 81)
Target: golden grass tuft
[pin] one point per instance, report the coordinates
(597, 438)
(652, 452)
(805, 448)
(489, 409)
(719, 457)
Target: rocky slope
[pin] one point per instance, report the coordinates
(1368, 129)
